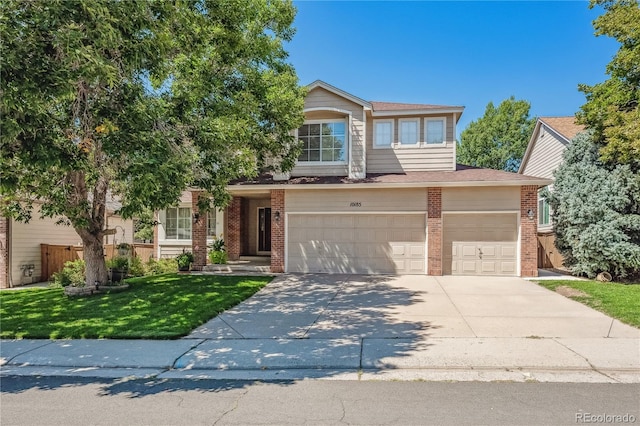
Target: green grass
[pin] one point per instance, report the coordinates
(620, 301)
(157, 307)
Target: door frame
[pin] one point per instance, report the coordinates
(258, 252)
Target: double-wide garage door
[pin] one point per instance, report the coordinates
(480, 244)
(357, 243)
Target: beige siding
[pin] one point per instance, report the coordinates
(481, 199)
(124, 230)
(321, 98)
(399, 159)
(27, 237)
(545, 156)
(364, 200)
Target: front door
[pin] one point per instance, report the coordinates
(264, 230)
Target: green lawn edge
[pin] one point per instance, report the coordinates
(619, 301)
(167, 306)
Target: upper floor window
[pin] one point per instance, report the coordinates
(434, 129)
(408, 131)
(323, 141)
(544, 212)
(382, 133)
(177, 225)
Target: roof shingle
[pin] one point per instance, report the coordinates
(566, 126)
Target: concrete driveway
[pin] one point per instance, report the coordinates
(321, 306)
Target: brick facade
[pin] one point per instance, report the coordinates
(277, 230)
(198, 233)
(434, 230)
(4, 252)
(232, 239)
(528, 231)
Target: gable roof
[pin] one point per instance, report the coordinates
(565, 128)
(388, 108)
(326, 86)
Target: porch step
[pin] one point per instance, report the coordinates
(236, 267)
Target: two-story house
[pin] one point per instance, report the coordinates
(376, 189)
(550, 138)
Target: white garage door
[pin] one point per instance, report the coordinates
(359, 244)
(480, 244)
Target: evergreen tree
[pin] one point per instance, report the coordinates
(596, 212)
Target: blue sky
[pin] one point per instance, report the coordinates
(453, 53)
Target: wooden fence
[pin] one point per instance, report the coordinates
(548, 255)
(53, 257)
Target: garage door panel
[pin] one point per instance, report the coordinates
(480, 244)
(357, 243)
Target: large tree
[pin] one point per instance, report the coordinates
(139, 100)
(499, 138)
(612, 108)
(596, 212)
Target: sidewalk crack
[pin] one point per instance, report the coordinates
(593, 367)
(236, 402)
(456, 307)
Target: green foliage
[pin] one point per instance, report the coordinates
(498, 139)
(160, 266)
(612, 108)
(184, 259)
(137, 268)
(140, 100)
(160, 307)
(596, 212)
(217, 244)
(118, 262)
(72, 274)
(218, 257)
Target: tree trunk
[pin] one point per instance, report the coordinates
(95, 266)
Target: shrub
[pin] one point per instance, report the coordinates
(161, 266)
(72, 274)
(217, 256)
(217, 244)
(118, 262)
(596, 213)
(136, 267)
(184, 259)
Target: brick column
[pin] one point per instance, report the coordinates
(198, 233)
(232, 239)
(434, 230)
(156, 240)
(4, 252)
(528, 231)
(277, 230)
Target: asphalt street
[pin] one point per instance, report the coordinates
(82, 401)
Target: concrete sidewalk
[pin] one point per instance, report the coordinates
(368, 327)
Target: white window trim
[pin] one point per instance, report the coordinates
(347, 141)
(444, 132)
(408, 145)
(391, 142)
(162, 237)
(541, 211)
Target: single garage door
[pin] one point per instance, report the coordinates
(480, 244)
(356, 243)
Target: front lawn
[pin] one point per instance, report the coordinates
(620, 301)
(157, 307)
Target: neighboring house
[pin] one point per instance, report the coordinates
(550, 138)
(22, 251)
(376, 189)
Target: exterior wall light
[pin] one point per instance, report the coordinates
(530, 214)
(276, 216)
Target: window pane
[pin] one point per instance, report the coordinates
(409, 132)
(304, 130)
(323, 142)
(314, 142)
(383, 134)
(327, 129)
(314, 155)
(435, 131)
(338, 142)
(211, 223)
(327, 154)
(171, 224)
(314, 129)
(338, 128)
